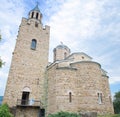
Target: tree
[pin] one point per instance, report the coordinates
(64, 114)
(116, 102)
(1, 63)
(4, 111)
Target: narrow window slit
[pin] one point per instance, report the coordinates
(70, 97)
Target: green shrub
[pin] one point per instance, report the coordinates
(115, 115)
(64, 114)
(4, 111)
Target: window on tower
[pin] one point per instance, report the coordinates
(33, 44)
(32, 14)
(37, 16)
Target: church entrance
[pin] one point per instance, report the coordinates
(25, 98)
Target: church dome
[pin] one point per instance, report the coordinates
(61, 52)
(62, 46)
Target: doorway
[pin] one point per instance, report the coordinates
(25, 98)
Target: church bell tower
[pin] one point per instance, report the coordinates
(30, 58)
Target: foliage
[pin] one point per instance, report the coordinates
(64, 114)
(1, 63)
(4, 111)
(115, 115)
(67, 114)
(116, 102)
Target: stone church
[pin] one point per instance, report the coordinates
(72, 82)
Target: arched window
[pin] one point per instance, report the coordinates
(26, 89)
(100, 98)
(25, 96)
(65, 55)
(37, 15)
(70, 97)
(32, 14)
(33, 44)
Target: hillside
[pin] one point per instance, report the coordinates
(1, 98)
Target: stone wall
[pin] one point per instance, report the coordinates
(84, 80)
(73, 83)
(51, 91)
(80, 56)
(28, 65)
(61, 52)
(27, 112)
(63, 83)
(90, 83)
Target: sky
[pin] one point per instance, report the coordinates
(89, 26)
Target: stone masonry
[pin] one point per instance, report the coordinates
(26, 75)
(73, 82)
(81, 77)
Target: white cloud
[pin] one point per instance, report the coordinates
(81, 23)
(11, 14)
(114, 80)
(105, 58)
(91, 26)
(75, 21)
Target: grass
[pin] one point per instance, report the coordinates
(115, 115)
